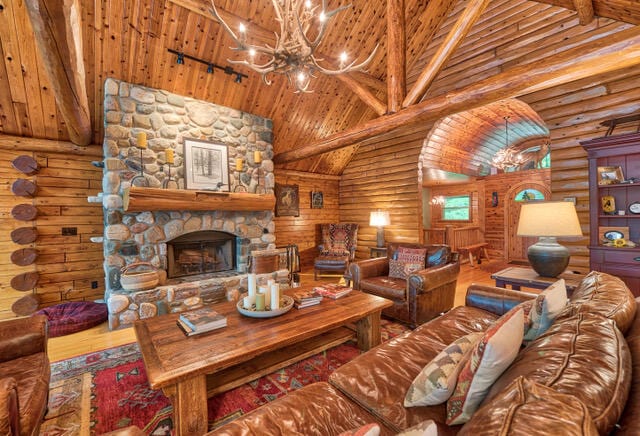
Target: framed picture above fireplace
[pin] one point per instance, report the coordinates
(206, 165)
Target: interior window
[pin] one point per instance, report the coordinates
(456, 208)
(529, 194)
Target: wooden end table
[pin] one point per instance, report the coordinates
(516, 277)
(188, 369)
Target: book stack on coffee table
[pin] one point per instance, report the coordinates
(201, 320)
(331, 290)
(306, 298)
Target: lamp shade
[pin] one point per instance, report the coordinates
(549, 218)
(379, 218)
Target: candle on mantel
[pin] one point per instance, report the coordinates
(168, 153)
(141, 140)
(239, 164)
(257, 156)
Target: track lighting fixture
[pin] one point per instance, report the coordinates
(210, 65)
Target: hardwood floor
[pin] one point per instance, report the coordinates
(100, 338)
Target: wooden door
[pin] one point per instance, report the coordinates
(516, 246)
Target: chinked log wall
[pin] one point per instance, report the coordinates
(384, 173)
(67, 265)
(304, 230)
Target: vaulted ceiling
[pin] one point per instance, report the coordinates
(129, 40)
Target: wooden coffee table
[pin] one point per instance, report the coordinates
(527, 277)
(188, 369)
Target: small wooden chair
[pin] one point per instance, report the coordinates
(338, 248)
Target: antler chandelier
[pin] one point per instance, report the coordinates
(507, 157)
(294, 52)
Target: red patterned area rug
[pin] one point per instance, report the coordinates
(99, 392)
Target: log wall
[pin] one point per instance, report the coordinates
(69, 267)
(304, 230)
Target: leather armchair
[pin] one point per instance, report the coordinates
(24, 375)
(424, 295)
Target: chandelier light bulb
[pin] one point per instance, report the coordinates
(301, 77)
(344, 56)
(322, 17)
(252, 52)
(242, 28)
(308, 4)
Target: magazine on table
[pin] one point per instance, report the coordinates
(190, 332)
(203, 319)
(331, 290)
(305, 296)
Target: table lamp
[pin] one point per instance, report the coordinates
(379, 219)
(548, 220)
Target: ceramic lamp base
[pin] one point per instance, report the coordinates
(547, 257)
(380, 237)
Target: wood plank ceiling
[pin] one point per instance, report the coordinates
(128, 40)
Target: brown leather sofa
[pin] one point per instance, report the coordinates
(424, 295)
(24, 375)
(573, 379)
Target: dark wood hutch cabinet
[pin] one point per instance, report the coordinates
(615, 151)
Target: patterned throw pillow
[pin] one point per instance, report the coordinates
(546, 308)
(425, 428)
(366, 430)
(436, 382)
(406, 261)
(402, 270)
(490, 357)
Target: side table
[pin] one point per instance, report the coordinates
(516, 277)
(377, 252)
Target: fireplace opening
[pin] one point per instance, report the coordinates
(201, 252)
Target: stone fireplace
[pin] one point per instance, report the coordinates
(204, 253)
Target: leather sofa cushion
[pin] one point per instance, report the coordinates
(386, 287)
(630, 422)
(317, 409)
(585, 356)
(605, 295)
(32, 374)
(379, 380)
(525, 407)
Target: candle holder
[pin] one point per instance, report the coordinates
(140, 176)
(169, 179)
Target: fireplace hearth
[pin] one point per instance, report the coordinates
(201, 252)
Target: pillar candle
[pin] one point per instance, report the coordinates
(239, 163)
(267, 295)
(248, 301)
(257, 156)
(169, 155)
(259, 301)
(141, 140)
(251, 283)
(275, 296)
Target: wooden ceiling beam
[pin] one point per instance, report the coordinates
(363, 93)
(396, 55)
(58, 33)
(584, 8)
(456, 35)
(615, 52)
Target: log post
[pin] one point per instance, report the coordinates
(396, 55)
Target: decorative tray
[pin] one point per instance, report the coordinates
(284, 299)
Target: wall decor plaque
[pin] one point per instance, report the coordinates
(287, 200)
(317, 200)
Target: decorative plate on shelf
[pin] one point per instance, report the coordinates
(612, 235)
(634, 208)
(288, 304)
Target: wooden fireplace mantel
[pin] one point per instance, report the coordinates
(140, 199)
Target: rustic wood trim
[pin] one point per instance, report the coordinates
(584, 8)
(139, 199)
(604, 55)
(19, 143)
(396, 55)
(363, 93)
(456, 35)
(57, 28)
(305, 175)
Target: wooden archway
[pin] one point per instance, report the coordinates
(515, 247)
